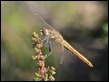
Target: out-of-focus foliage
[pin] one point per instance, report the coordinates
(105, 33)
(81, 22)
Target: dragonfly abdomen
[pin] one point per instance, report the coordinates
(74, 51)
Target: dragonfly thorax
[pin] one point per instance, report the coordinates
(52, 34)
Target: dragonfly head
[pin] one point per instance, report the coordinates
(44, 31)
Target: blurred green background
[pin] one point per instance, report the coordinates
(84, 23)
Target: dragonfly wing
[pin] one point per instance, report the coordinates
(49, 46)
(46, 44)
(40, 22)
(62, 55)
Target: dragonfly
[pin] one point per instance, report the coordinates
(50, 33)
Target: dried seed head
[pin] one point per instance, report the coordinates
(52, 78)
(37, 50)
(40, 53)
(52, 68)
(53, 72)
(34, 57)
(39, 46)
(41, 57)
(37, 75)
(41, 63)
(35, 35)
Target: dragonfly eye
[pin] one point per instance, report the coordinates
(44, 31)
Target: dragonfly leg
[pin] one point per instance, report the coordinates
(47, 43)
(44, 39)
(50, 50)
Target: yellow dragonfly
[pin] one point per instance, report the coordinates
(51, 34)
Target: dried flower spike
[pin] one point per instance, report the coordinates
(42, 74)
